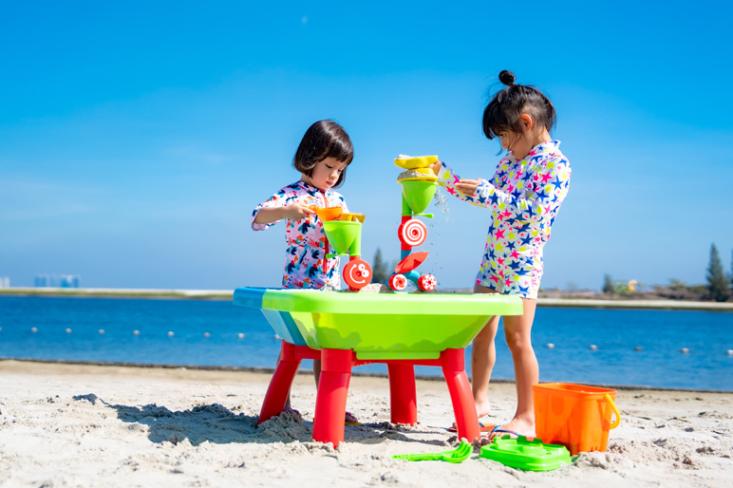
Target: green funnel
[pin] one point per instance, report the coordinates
(418, 194)
(344, 236)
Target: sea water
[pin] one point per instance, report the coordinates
(632, 347)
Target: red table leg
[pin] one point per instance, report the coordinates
(464, 408)
(282, 379)
(333, 385)
(402, 395)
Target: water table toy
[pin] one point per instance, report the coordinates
(527, 455)
(456, 456)
(345, 330)
(419, 184)
(343, 231)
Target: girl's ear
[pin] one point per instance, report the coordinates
(527, 122)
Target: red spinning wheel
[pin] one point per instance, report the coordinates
(398, 282)
(412, 232)
(427, 282)
(357, 274)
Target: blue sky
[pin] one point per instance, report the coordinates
(136, 139)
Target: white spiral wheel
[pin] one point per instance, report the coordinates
(398, 282)
(412, 232)
(427, 282)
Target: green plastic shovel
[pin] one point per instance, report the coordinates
(457, 455)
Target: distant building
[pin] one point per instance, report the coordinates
(62, 281)
(4, 282)
(41, 281)
(68, 281)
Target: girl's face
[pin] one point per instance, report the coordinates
(326, 173)
(515, 143)
(520, 143)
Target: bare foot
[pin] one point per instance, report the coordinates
(482, 409)
(516, 426)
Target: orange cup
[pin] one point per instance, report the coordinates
(577, 416)
(328, 213)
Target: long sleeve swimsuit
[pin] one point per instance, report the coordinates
(524, 198)
(306, 262)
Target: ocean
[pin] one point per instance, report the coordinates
(632, 347)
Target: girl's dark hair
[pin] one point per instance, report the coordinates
(503, 111)
(324, 139)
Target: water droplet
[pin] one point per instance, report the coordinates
(101, 331)
(34, 330)
(68, 330)
(240, 336)
(207, 335)
(136, 332)
(550, 345)
(171, 333)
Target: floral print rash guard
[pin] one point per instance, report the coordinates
(524, 198)
(306, 263)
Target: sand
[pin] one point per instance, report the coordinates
(81, 425)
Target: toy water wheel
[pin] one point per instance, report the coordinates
(357, 274)
(398, 282)
(412, 232)
(427, 282)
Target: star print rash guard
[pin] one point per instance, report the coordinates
(524, 198)
(306, 263)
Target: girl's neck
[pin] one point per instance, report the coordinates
(309, 181)
(541, 138)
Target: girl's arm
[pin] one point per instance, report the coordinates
(548, 182)
(295, 211)
(449, 180)
(282, 205)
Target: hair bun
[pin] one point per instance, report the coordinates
(506, 77)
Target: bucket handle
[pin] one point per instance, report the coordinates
(615, 411)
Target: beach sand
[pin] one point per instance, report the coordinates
(81, 425)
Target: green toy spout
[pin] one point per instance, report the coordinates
(418, 194)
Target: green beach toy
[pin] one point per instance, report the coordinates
(418, 194)
(457, 455)
(344, 236)
(521, 453)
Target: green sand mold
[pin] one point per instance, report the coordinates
(389, 326)
(521, 453)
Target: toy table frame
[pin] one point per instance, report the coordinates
(333, 386)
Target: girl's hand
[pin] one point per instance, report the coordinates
(296, 211)
(468, 187)
(437, 166)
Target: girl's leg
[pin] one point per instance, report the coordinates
(316, 370)
(518, 332)
(483, 358)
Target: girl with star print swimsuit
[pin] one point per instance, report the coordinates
(524, 197)
(306, 261)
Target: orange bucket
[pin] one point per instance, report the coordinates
(577, 416)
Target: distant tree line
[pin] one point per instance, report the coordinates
(718, 286)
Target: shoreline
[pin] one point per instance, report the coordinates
(22, 363)
(150, 293)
